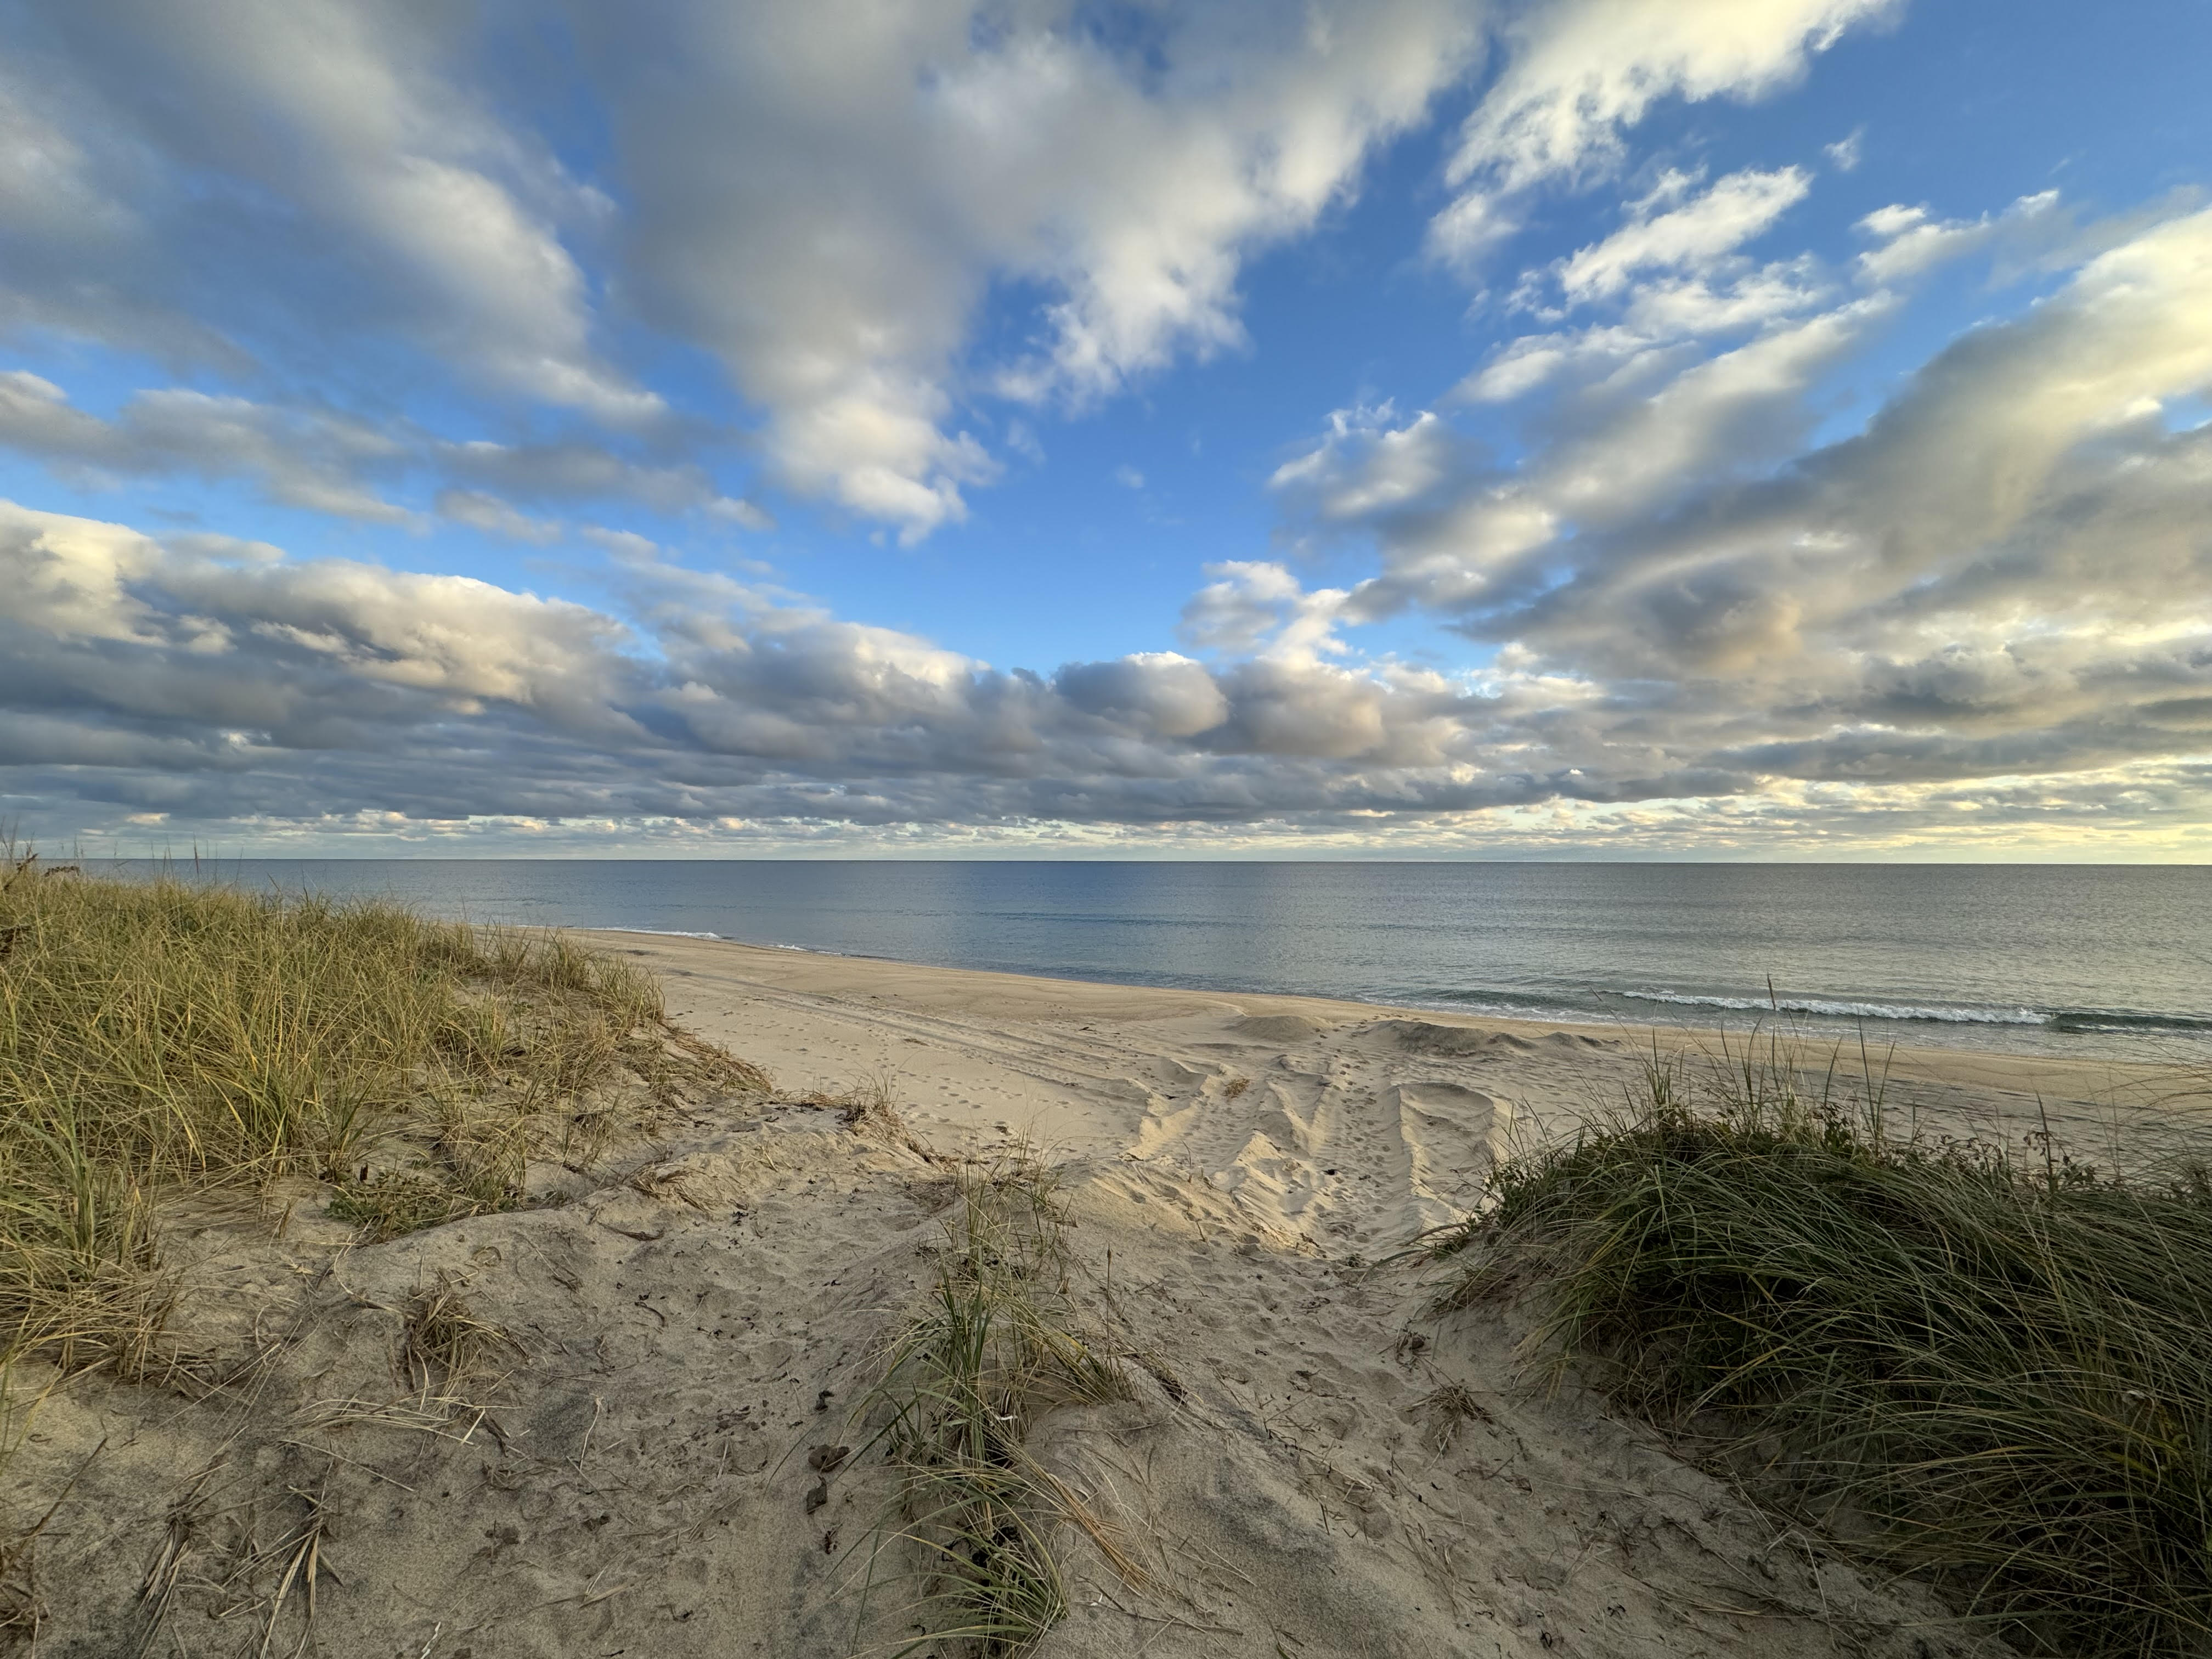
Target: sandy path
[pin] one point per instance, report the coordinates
(700, 1312)
(1353, 1123)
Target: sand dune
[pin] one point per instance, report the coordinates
(631, 1474)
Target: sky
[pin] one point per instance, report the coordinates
(1501, 428)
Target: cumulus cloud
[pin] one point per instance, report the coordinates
(2008, 572)
(1170, 693)
(196, 678)
(1686, 613)
(353, 117)
(896, 162)
(574, 471)
(1456, 530)
(78, 254)
(823, 200)
(822, 197)
(49, 189)
(480, 510)
(1919, 624)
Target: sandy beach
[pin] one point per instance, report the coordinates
(690, 1320)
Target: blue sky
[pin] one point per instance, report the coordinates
(1600, 428)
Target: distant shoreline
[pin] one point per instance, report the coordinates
(2057, 962)
(2079, 1090)
(1786, 1021)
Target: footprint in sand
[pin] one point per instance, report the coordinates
(1453, 1137)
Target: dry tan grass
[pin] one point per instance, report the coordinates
(1447, 1411)
(972, 1536)
(173, 1036)
(444, 1344)
(1998, 1374)
(299, 1555)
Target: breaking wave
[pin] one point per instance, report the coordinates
(2064, 1019)
(1852, 1010)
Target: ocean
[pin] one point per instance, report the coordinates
(2112, 961)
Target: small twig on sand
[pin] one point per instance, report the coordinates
(585, 1451)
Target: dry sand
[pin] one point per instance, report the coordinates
(631, 1478)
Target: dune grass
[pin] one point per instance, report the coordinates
(1998, 1374)
(971, 1536)
(167, 1038)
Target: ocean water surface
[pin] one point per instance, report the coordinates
(2110, 961)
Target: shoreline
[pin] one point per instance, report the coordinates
(1884, 1026)
(2082, 1095)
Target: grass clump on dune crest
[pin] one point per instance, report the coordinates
(999, 1343)
(1999, 1375)
(160, 1036)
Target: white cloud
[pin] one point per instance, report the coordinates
(1698, 237)
(330, 462)
(1521, 366)
(746, 515)
(201, 680)
(1582, 71)
(1912, 242)
(2006, 572)
(1991, 600)
(1259, 609)
(1167, 692)
(895, 162)
(824, 199)
(69, 577)
(317, 461)
(1893, 629)
(1397, 466)
(78, 255)
(576, 471)
(1674, 271)
(481, 510)
(1739, 410)
(357, 119)
(1693, 307)
(48, 187)
(1457, 531)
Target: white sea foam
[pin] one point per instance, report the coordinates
(1852, 1010)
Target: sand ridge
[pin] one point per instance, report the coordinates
(632, 1475)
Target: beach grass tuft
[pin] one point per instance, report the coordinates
(999, 1344)
(175, 1035)
(444, 1345)
(1995, 1372)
